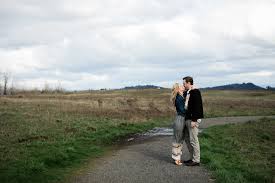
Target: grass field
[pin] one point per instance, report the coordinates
(240, 153)
(44, 136)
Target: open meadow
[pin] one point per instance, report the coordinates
(44, 136)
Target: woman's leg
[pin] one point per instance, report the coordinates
(177, 137)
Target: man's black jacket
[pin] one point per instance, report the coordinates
(195, 108)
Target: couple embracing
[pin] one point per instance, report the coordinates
(188, 103)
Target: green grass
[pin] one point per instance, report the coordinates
(241, 152)
(49, 157)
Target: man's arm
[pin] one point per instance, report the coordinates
(197, 109)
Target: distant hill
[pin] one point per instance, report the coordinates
(270, 88)
(236, 86)
(142, 87)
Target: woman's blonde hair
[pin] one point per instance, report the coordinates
(175, 90)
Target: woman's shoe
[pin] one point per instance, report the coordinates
(177, 162)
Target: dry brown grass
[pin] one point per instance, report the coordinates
(140, 105)
(119, 103)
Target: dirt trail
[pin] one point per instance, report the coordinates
(149, 161)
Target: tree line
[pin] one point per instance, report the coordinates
(7, 87)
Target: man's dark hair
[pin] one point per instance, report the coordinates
(188, 79)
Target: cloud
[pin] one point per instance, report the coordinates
(103, 44)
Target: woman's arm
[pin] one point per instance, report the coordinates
(180, 105)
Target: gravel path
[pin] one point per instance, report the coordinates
(148, 160)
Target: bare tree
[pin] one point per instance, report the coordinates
(59, 88)
(46, 88)
(12, 88)
(6, 77)
(1, 88)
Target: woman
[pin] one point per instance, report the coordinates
(179, 127)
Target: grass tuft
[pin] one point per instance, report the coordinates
(241, 152)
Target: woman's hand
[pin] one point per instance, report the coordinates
(194, 124)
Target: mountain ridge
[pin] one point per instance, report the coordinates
(233, 86)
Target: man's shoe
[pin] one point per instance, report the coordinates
(192, 163)
(188, 161)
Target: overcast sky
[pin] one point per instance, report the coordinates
(110, 44)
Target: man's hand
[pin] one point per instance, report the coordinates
(194, 124)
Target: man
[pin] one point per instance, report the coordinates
(193, 118)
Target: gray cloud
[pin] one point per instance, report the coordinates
(95, 44)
